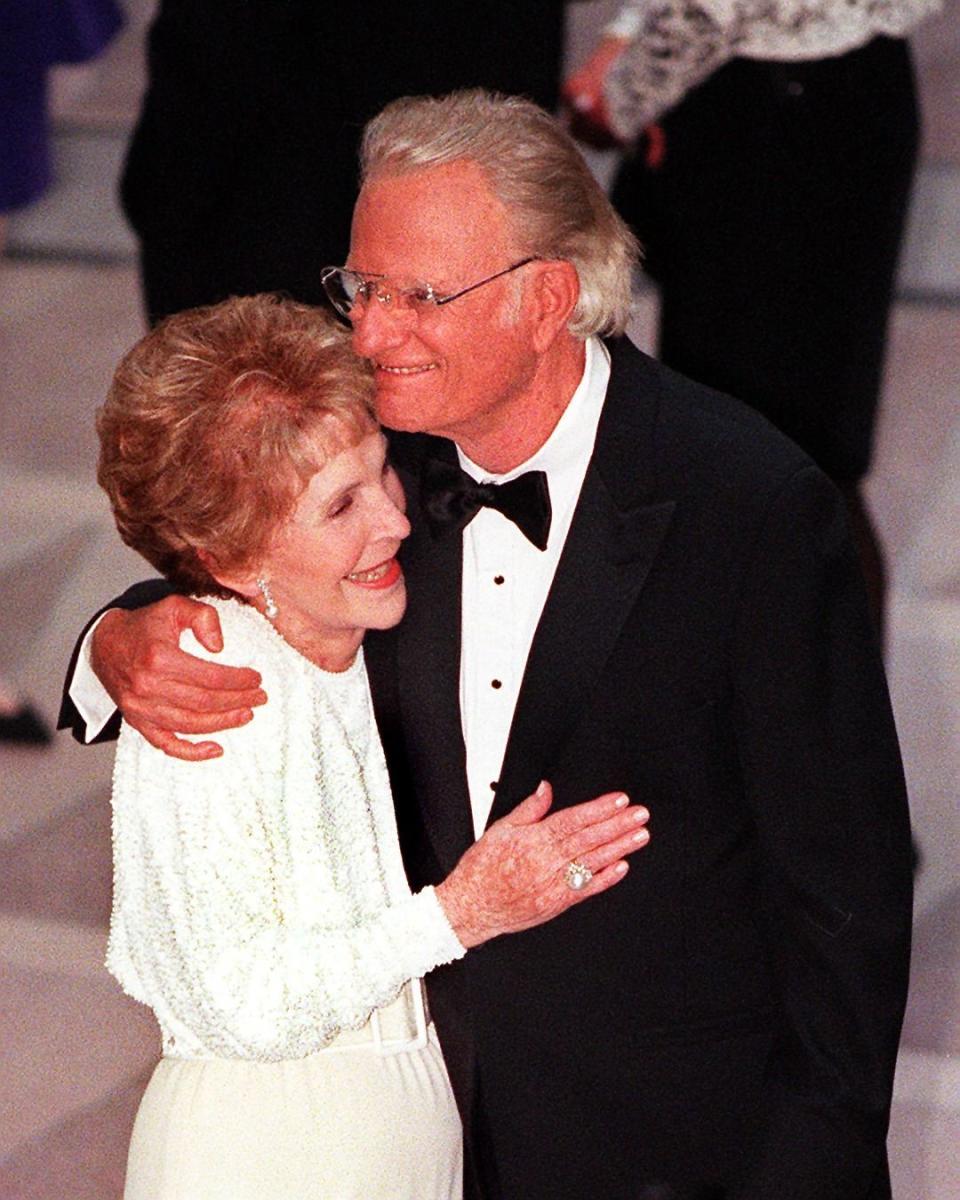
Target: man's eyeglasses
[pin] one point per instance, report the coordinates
(349, 291)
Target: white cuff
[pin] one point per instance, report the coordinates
(437, 925)
(88, 694)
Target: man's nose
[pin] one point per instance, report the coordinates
(378, 327)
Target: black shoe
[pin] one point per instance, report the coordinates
(25, 726)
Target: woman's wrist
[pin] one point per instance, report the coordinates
(457, 912)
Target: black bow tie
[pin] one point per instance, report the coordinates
(451, 499)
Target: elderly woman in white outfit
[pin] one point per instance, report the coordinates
(260, 903)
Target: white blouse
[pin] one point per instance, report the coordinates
(675, 45)
(260, 903)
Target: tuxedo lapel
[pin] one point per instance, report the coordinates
(613, 541)
(428, 670)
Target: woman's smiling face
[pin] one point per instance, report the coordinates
(332, 568)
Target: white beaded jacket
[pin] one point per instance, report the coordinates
(674, 45)
(260, 903)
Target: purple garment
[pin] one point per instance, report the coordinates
(35, 35)
(44, 32)
(24, 144)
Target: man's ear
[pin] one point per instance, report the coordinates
(555, 292)
(244, 583)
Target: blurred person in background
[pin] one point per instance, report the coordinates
(771, 153)
(242, 171)
(36, 35)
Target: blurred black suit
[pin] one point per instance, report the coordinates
(241, 174)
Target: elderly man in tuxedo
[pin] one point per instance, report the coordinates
(616, 579)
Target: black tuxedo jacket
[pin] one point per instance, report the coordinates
(725, 1021)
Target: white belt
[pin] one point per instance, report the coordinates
(396, 1028)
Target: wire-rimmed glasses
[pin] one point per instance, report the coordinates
(349, 290)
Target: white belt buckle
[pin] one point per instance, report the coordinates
(386, 1046)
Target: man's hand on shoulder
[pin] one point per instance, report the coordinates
(159, 688)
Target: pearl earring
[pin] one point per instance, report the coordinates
(269, 604)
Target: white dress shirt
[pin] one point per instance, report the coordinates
(506, 580)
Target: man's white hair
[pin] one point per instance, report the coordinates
(555, 207)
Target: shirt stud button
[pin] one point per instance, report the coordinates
(498, 579)
(496, 683)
